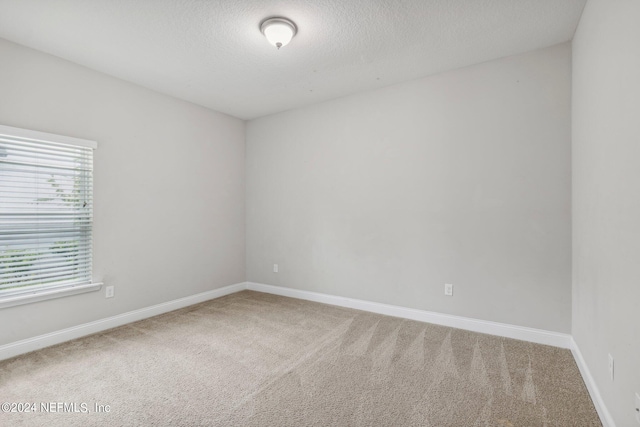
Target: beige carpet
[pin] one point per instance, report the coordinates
(253, 359)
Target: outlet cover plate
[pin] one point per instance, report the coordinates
(448, 289)
(611, 367)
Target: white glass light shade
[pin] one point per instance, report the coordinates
(278, 31)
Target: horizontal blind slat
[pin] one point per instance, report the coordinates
(60, 147)
(52, 280)
(32, 257)
(37, 287)
(43, 152)
(16, 275)
(53, 260)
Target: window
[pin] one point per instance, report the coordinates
(46, 216)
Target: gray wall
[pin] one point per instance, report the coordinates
(606, 198)
(460, 178)
(169, 187)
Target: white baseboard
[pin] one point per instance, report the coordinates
(603, 412)
(46, 340)
(538, 336)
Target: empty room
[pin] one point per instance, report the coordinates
(320, 213)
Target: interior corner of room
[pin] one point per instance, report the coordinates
(500, 197)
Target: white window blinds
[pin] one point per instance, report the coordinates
(46, 201)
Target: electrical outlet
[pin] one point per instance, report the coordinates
(611, 367)
(638, 407)
(448, 289)
(109, 292)
(275, 268)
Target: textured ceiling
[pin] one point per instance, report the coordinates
(212, 53)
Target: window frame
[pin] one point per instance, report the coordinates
(35, 293)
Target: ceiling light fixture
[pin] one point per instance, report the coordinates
(278, 31)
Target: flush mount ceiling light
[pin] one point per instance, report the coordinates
(278, 31)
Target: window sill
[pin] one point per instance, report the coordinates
(42, 295)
